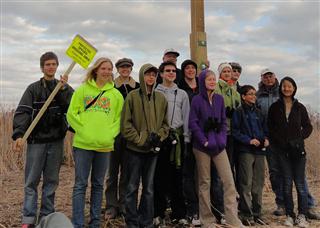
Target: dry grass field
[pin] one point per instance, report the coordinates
(11, 178)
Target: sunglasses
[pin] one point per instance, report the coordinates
(169, 70)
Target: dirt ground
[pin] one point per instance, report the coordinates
(11, 197)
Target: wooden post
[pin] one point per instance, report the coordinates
(198, 40)
(46, 104)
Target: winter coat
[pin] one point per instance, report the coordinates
(248, 123)
(52, 125)
(142, 115)
(97, 126)
(201, 112)
(266, 97)
(281, 130)
(178, 108)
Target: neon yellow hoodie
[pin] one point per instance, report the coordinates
(96, 127)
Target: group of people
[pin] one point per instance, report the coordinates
(195, 141)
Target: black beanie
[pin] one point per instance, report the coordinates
(186, 63)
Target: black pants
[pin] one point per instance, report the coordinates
(168, 186)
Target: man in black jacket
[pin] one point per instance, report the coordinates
(45, 143)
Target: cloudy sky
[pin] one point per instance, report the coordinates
(281, 35)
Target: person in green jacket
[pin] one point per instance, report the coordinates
(94, 114)
(232, 101)
(144, 125)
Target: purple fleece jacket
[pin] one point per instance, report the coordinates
(200, 111)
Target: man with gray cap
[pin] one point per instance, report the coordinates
(267, 94)
(236, 72)
(116, 186)
(171, 55)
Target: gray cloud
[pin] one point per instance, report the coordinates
(282, 36)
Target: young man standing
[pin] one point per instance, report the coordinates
(171, 158)
(171, 55)
(144, 125)
(45, 143)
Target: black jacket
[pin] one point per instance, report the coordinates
(281, 130)
(52, 125)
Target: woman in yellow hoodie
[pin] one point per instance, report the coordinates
(94, 114)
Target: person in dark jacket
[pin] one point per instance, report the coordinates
(189, 83)
(250, 132)
(289, 125)
(207, 123)
(115, 190)
(45, 144)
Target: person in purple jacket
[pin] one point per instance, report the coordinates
(207, 122)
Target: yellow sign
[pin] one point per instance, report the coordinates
(81, 51)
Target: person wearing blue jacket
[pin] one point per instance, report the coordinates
(249, 130)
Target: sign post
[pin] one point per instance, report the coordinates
(81, 52)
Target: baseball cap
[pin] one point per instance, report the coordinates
(171, 50)
(266, 70)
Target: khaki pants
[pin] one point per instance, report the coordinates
(204, 171)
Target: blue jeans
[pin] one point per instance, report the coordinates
(294, 171)
(43, 159)
(97, 162)
(276, 178)
(140, 165)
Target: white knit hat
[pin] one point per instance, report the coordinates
(222, 66)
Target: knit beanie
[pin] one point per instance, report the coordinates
(222, 66)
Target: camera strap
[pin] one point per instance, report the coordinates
(174, 106)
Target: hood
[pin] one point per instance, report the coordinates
(107, 86)
(166, 90)
(185, 64)
(144, 68)
(202, 84)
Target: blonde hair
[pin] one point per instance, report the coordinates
(91, 74)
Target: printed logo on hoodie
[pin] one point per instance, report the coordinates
(101, 105)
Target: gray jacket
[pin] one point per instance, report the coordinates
(178, 108)
(266, 97)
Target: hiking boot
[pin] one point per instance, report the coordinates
(289, 221)
(301, 221)
(313, 214)
(258, 220)
(280, 211)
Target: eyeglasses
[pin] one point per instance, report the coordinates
(153, 74)
(169, 70)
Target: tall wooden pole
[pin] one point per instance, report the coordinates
(198, 40)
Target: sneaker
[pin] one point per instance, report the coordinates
(313, 214)
(183, 222)
(258, 220)
(280, 211)
(289, 221)
(223, 221)
(301, 221)
(157, 221)
(196, 221)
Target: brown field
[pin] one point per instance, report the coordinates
(11, 178)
